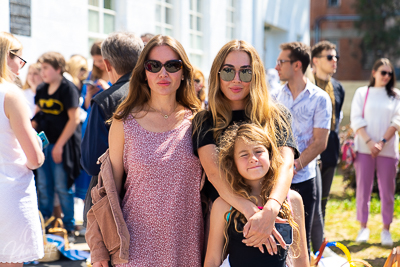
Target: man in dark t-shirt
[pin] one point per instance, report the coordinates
(57, 114)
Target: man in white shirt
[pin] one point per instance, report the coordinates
(311, 110)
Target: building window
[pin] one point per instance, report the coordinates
(230, 20)
(20, 17)
(333, 3)
(101, 19)
(196, 32)
(164, 17)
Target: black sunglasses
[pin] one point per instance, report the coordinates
(330, 57)
(155, 66)
(227, 74)
(197, 80)
(384, 73)
(23, 60)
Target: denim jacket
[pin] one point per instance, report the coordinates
(106, 233)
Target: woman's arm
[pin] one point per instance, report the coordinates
(116, 140)
(17, 112)
(301, 256)
(260, 226)
(216, 237)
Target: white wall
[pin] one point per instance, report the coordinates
(63, 25)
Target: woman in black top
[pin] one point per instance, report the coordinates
(238, 92)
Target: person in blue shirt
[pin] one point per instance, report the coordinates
(120, 52)
(311, 110)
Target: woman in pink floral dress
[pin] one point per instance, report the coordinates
(150, 141)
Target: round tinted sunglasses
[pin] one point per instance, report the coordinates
(170, 66)
(228, 74)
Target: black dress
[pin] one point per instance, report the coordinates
(241, 255)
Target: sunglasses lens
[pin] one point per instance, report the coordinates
(197, 80)
(227, 74)
(337, 58)
(384, 73)
(245, 75)
(173, 65)
(152, 66)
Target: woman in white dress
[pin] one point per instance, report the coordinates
(20, 153)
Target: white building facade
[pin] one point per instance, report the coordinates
(202, 26)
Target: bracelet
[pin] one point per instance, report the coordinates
(280, 205)
(368, 141)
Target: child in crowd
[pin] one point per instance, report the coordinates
(249, 161)
(57, 114)
(33, 79)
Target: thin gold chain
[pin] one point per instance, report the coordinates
(166, 116)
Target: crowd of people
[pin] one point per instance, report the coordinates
(171, 177)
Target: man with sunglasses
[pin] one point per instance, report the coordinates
(120, 53)
(324, 61)
(311, 110)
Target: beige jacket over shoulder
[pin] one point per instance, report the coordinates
(107, 234)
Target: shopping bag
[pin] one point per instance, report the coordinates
(394, 258)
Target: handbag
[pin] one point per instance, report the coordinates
(51, 252)
(58, 229)
(394, 258)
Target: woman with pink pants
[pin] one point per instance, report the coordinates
(375, 118)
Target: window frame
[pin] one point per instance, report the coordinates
(162, 24)
(101, 11)
(229, 24)
(338, 2)
(194, 14)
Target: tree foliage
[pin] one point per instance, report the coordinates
(380, 26)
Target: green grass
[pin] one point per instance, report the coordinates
(341, 225)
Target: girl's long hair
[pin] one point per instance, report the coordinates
(254, 134)
(97, 73)
(7, 43)
(36, 66)
(391, 84)
(139, 91)
(260, 109)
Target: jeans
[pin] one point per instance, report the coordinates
(52, 177)
(308, 192)
(317, 228)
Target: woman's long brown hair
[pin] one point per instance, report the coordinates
(139, 91)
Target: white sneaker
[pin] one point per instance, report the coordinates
(386, 238)
(363, 235)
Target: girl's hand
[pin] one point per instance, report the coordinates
(375, 148)
(100, 264)
(259, 228)
(103, 84)
(91, 91)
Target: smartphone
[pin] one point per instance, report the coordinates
(286, 232)
(88, 82)
(43, 137)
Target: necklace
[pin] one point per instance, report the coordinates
(166, 116)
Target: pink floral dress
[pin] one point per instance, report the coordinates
(162, 206)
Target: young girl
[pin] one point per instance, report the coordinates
(249, 162)
(33, 79)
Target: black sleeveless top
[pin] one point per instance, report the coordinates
(241, 255)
